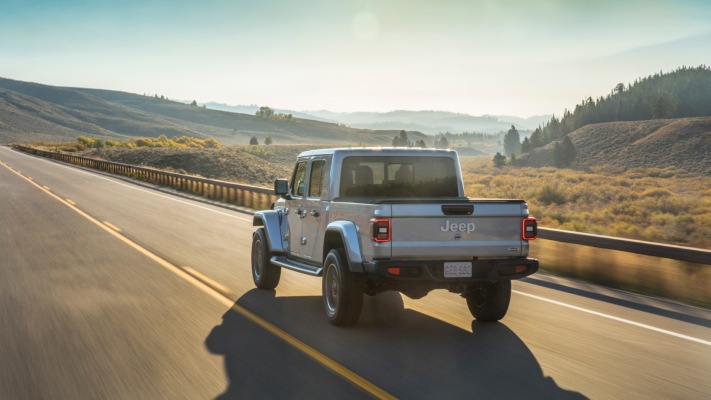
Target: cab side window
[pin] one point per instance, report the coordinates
(316, 178)
(298, 181)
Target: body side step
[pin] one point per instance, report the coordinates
(296, 266)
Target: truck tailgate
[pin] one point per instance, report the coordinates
(447, 231)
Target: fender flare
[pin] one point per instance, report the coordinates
(350, 237)
(271, 221)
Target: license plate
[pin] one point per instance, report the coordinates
(458, 270)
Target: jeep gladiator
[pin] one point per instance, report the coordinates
(369, 220)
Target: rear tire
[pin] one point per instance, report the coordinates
(342, 290)
(490, 301)
(265, 274)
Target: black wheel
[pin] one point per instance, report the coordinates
(342, 290)
(265, 274)
(490, 301)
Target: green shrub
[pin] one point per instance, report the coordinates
(551, 194)
(656, 192)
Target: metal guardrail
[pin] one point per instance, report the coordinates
(681, 253)
(242, 195)
(261, 198)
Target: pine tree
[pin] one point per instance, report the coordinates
(512, 141)
(402, 140)
(537, 139)
(441, 143)
(564, 153)
(499, 160)
(558, 158)
(568, 150)
(525, 145)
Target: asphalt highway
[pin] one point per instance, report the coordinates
(116, 289)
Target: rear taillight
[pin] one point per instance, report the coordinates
(529, 229)
(381, 230)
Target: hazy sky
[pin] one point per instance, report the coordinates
(510, 57)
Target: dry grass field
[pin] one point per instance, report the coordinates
(661, 205)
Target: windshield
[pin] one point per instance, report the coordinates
(398, 177)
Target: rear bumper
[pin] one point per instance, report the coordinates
(433, 271)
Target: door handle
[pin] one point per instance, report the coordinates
(314, 213)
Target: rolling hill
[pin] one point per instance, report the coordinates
(32, 111)
(431, 122)
(684, 143)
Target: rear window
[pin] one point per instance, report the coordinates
(398, 177)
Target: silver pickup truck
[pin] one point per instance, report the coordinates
(375, 219)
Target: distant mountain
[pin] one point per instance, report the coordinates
(431, 122)
(683, 143)
(31, 111)
(529, 123)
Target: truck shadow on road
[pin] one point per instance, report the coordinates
(404, 352)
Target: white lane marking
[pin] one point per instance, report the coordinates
(145, 191)
(618, 319)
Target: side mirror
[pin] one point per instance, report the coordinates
(281, 187)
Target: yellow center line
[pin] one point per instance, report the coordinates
(70, 202)
(324, 360)
(210, 282)
(46, 187)
(112, 226)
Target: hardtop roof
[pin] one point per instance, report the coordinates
(381, 151)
